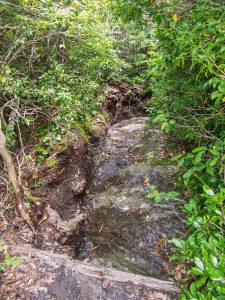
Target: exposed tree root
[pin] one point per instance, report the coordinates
(9, 164)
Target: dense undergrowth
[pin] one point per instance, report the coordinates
(187, 73)
(56, 61)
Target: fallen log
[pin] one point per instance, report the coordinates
(44, 275)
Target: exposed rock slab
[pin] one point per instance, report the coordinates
(128, 186)
(114, 153)
(43, 276)
(124, 229)
(131, 234)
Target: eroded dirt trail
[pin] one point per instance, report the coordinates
(109, 224)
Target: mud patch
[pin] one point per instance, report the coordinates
(66, 183)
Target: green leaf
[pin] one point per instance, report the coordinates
(193, 289)
(199, 263)
(199, 168)
(201, 296)
(180, 163)
(40, 158)
(198, 157)
(213, 161)
(150, 196)
(210, 170)
(196, 271)
(157, 198)
(198, 149)
(178, 243)
(214, 260)
(159, 118)
(173, 194)
(188, 174)
(208, 190)
(201, 282)
(205, 252)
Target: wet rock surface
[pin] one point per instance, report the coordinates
(114, 152)
(125, 230)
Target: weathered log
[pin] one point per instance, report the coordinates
(45, 275)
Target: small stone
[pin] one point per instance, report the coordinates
(106, 284)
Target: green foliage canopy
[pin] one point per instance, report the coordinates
(55, 59)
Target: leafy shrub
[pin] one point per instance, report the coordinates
(186, 71)
(56, 59)
(7, 260)
(203, 175)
